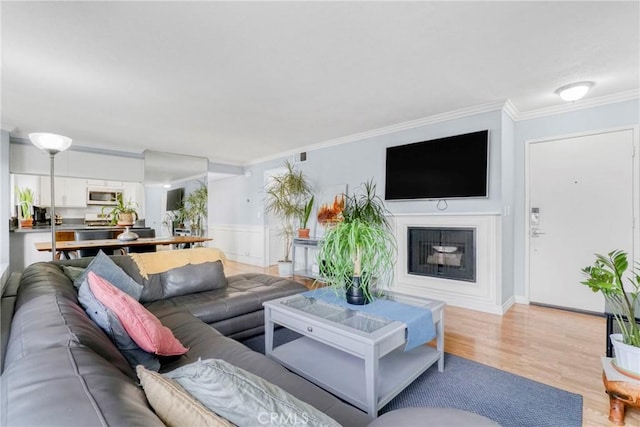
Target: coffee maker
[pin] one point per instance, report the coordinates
(40, 216)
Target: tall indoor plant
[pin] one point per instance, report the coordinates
(359, 252)
(196, 208)
(607, 275)
(286, 197)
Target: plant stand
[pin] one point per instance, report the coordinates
(623, 392)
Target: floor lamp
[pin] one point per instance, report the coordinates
(52, 144)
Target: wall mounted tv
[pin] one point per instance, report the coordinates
(444, 168)
(174, 199)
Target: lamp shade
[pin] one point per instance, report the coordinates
(50, 142)
(574, 91)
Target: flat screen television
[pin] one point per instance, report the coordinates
(174, 199)
(444, 168)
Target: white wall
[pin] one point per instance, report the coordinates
(5, 197)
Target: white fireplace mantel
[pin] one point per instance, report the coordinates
(485, 294)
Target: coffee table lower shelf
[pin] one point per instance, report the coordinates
(343, 374)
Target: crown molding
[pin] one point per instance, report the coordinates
(578, 105)
(412, 124)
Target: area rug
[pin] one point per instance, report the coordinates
(508, 399)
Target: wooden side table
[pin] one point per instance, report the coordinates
(623, 391)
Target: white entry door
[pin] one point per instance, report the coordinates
(581, 202)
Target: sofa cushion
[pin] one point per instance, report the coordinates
(142, 326)
(104, 267)
(111, 325)
(244, 398)
(185, 280)
(174, 405)
(71, 386)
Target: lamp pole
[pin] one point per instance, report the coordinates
(52, 156)
(52, 144)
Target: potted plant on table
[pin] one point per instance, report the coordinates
(359, 253)
(286, 197)
(123, 213)
(25, 203)
(607, 275)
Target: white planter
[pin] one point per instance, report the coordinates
(627, 356)
(285, 268)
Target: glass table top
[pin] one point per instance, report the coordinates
(334, 313)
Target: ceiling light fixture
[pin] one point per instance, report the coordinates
(574, 91)
(166, 185)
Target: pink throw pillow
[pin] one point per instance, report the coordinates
(143, 327)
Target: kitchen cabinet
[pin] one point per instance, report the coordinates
(70, 192)
(104, 183)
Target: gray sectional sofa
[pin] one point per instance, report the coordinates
(60, 368)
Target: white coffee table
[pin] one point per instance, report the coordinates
(356, 356)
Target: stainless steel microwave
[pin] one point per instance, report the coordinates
(103, 196)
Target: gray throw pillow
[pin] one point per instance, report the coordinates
(72, 272)
(188, 279)
(104, 267)
(111, 325)
(243, 398)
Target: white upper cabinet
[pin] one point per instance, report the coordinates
(70, 192)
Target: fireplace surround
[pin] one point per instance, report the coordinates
(480, 234)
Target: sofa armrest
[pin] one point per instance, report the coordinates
(7, 304)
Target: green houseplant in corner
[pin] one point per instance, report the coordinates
(123, 213)
(359, 253)
(607, 275)
(286, 198)
(196, 208)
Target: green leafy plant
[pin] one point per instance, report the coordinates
(360, 246)
(606, 275)
(366, 206)
(121, 207)
(195, 208)
(25, 201)
(286, 196)
(306, 214)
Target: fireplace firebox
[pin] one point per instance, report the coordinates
(447, 253)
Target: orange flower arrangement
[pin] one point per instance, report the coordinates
(328, 213)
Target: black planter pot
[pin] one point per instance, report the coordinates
(355, 295)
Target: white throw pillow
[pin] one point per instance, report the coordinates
(243, 398)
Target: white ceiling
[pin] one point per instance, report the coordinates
(240, 81)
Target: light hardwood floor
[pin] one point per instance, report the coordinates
(555, 347)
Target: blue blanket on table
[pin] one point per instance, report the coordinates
(419, 320)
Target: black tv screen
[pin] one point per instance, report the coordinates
(174, 199)
(451, 167)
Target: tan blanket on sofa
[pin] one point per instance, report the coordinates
(161, 261)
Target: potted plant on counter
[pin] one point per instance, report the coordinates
(286, 197)
(359, 253)
(607, 275)
(123, 213)
(25, 203)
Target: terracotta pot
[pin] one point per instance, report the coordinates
(26, 223)
(303, 233)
